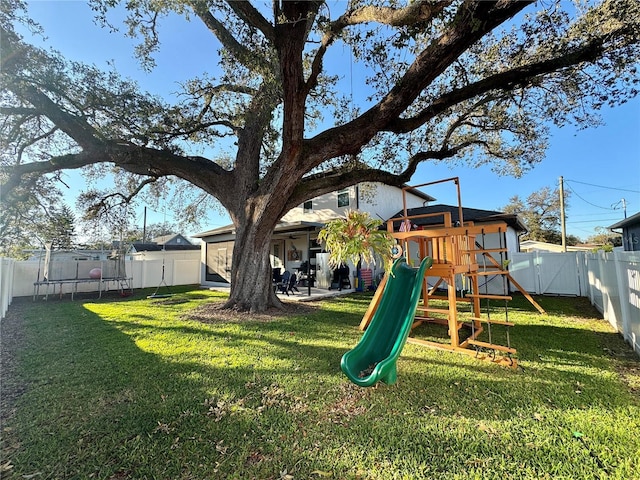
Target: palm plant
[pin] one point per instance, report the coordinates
(355, 238)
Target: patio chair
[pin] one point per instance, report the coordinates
(293, 284)
(276, 275)
(283, 285)
(341, 278)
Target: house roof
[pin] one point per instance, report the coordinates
(154, 247)
(281, 227)
(167, 238)
(469, 214)
(632, 220)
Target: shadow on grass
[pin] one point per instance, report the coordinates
(578, 307)
(246, 400)
(96, 404)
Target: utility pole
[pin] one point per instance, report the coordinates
(622, 202)
(144, 226)
(563, 224)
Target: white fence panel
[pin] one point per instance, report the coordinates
(614, 289)
(155, 271)
(135, 271)
(593, 277)
(186, 272)
(24, 275)
(628, 281)
(549, 273)
(524, 269)
(610, 294)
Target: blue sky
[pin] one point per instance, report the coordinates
(600, 166)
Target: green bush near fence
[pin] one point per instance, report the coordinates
(153, 389)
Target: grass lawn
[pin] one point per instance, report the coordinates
(144, 389)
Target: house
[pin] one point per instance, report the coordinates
(630, 232)
(71, 255)
(171, 240)
(536, 246)
(174, 247)
(294, 243)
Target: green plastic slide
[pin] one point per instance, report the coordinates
(374, 358)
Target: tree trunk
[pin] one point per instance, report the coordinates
(251, 275)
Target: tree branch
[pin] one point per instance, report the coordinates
(253, 17)
(18, 111)
(473, 20)
(421, 11)
(509, 80)
(199, 171)
(244, 55)
(322, 183)
(75, 127)
(103, 203)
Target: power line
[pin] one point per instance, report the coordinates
(595, 221)
(573, 215)
(587, 201)
(603, 186)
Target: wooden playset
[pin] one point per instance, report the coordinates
(467, 259)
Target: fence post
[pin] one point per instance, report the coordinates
(6, 284)
(3, 287)
(623, 287)
(581, 259)
(592, 278)
(537, 268)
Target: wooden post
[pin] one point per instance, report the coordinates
(453, 311)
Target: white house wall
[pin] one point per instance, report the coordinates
(387, 201)
(379, 200)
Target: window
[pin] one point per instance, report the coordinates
(308, 205)
(343, 198)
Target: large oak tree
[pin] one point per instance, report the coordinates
(467, 80)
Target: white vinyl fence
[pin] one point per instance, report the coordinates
(614, 289)
(611, 281)
(547, 273)
(6, 284)
(17, 277)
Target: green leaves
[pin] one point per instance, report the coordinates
(357, 237)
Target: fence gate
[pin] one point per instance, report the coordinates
(558, 273)
(550, 273)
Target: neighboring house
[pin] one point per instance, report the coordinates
(294, 243)
(630, 232)
(72, 255)
(173, 242)
(174, 247)
(536, 246)
(173, 239)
